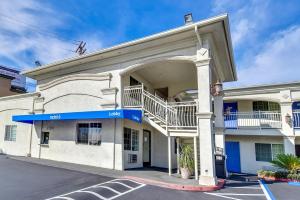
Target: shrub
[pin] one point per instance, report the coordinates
(266, 173)
(288, 162)
(295, 177)
(281, 174)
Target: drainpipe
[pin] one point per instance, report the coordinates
(115, 127)
(42, 123)
(31, 129)
(198, 36)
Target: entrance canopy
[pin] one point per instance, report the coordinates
(134, 115)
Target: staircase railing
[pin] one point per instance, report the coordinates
(173, 115)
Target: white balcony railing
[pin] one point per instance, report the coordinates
(175, 114)
(296, 118)
(256, 119)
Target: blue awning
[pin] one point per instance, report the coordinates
(134, 115)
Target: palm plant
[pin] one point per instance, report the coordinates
(289, 162)
(186, 160)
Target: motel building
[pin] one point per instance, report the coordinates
(133, 105)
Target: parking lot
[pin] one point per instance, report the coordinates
(24, 180)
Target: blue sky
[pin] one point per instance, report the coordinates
(265, 34)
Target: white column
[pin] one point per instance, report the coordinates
(219, 126)
(196, 158)
(289, 145)
(170, 155)
(204, 115)
(178, 154)
(287, 128)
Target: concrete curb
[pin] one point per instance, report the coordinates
(173, 186)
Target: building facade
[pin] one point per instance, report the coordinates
(260, 122)
(119, 108)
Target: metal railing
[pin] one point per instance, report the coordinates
(296, 118)
(175, 114)
(256, 119)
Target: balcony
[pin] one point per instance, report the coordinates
(296, 119)
(253, 120)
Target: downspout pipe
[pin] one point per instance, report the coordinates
(198, 36)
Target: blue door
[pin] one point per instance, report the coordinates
(230, 117)
(233, 162)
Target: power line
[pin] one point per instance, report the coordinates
(37, 29)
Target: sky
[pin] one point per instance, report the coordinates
(265, 33)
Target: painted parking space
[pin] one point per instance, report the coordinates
(104, 191)
(240, 188)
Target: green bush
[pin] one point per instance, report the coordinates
(289, 162)
(266, 173)
(295, 177)
(281, 174)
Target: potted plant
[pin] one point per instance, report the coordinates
(186, 161)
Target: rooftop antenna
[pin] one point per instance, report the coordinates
(81, 48)
(37, 63)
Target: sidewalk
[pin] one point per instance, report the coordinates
(150, 176)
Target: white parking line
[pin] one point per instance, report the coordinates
(122, 184)
(102, 185)
(113, 190)
(93, 193)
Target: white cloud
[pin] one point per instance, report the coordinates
(278, 61)
(247, 18)
(27, 34)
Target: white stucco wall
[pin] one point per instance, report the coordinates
(18, 105)
(63, 147)
(247, 151)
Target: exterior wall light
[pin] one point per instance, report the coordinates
(217, 89)
(288, 119)
(188, 19)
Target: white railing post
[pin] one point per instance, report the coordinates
(142, 96)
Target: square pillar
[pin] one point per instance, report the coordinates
(219, 128)
(204, 117)
(289, 145)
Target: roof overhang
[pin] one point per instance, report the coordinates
(205, 26)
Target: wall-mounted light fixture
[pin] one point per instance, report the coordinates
(217, 89)
(288, 119)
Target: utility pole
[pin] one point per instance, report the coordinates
(81, 48)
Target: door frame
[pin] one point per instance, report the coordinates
(147, 163)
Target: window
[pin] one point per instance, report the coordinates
(267, 152)
(127, 139)
(89, 133)
(45, 138)
(10, 132)
(131, 139)
(265, 106)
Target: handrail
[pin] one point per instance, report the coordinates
(171, 114)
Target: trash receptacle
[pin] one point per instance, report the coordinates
(220, 165)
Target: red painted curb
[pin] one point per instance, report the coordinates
(278, 179)
(193, 188)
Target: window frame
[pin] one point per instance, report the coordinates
(89, 140)
(133, 141)
(43, 138)
(272, 155)
(265, 106)
(9, 133)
